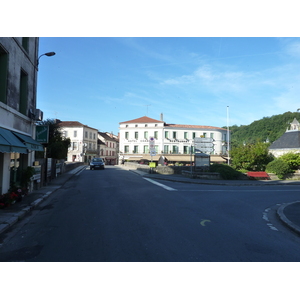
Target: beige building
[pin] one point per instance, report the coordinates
(18, 113)
(108, 147)
(84, 141)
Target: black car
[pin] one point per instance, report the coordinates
(97, 163)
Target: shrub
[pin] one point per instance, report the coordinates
(225, 171)
(292, 159)
(278, 167)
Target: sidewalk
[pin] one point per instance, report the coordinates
(288, 213)
(11, 215)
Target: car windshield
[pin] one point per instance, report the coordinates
(97, 160)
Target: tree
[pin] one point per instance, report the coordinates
(251, 157)
(58, 145)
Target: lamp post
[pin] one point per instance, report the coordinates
(45, 153)
(47, 54)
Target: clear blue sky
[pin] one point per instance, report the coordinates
(103, 81)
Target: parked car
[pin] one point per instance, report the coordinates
(97, 163)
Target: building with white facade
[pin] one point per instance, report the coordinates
(84, 141)
(174, 141)
(18, 78)
(108, 147)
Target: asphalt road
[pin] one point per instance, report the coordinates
(115, 215)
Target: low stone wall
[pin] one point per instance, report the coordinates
(68, 166)
(202, 175)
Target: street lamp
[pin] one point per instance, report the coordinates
(47, 54)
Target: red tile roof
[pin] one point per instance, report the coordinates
(143, 120)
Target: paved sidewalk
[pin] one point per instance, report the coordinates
(288, 213)
(11, 215)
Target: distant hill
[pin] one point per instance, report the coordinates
(268, 128)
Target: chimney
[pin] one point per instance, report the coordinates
(162, 117)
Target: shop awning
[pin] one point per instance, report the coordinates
(10, 143)
(30, 143)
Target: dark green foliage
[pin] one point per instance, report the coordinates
(225, 171)
(268, 128)
(292, 159)
(278, 167)
(58, 145)
(251, 157)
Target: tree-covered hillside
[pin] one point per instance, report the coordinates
(268, 128)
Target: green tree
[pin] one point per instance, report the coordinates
(251, 157)
(58, 145)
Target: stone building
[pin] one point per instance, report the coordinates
(18, 113)
(288, 142)
(108, 147)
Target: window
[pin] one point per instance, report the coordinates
(204, 134)
(85, 134)
(94, 136)
(175, 149)
(136, 135)
(186, 149)
(90, 146)
(155, 125)
(212, 135)
(126, 135)
(126, 126)
(146, 134)
(146, 149)
(194, 135)
(136, 149)
(186, 135)
(25, 41)
(23, 93)
(136, 125)
(91, 135)
(156, 135)
(126, 149)
(166, 149)
(146, 125)
(3, 75)
(75, 133)
(174, 134)
(75, 146)
(166, 134)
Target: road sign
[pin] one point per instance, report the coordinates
(203, 140)
(42, 134)
(204, 145)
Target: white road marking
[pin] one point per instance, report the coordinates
(160, 184)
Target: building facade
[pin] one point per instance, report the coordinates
(173, 141)
(108, 147)
(84, 141)
(288, 142)
(18, 78)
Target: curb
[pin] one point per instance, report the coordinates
(285, 220)
(20, 215)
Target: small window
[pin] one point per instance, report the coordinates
(146, 125)
(136, 135)
(23, 93)
(174, 134)
(136, 125)
(186, 135)
(146, 134)
(126, 135)
(75, 133)
(85, 134)
(156, 135)
(166, 134)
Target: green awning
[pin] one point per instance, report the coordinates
(10, 143)
(30, 143)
